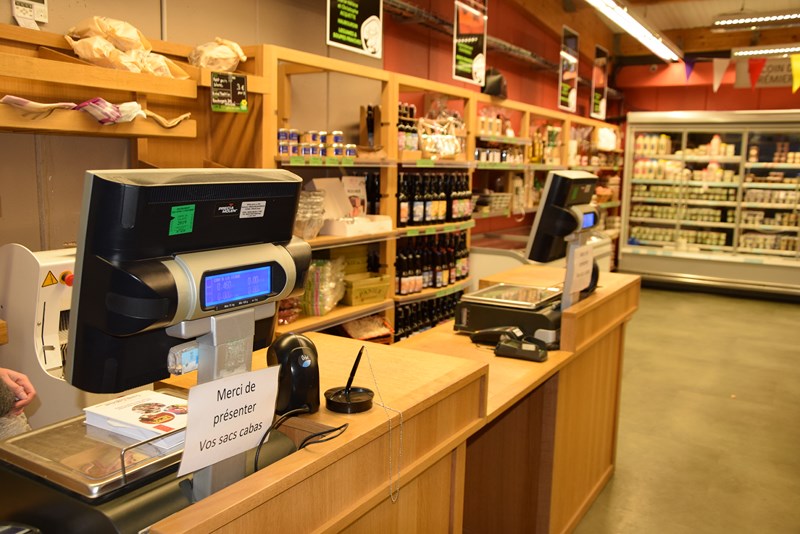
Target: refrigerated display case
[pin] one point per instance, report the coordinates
(712, 198)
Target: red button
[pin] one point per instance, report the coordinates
(68, 277)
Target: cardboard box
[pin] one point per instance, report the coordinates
(365, 288)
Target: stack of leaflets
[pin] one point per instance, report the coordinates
(142, 415)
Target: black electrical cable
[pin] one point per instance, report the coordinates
(274, 426)
(336, 432)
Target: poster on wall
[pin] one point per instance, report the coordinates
(568, 71)
(469, 44)
(599, 83)
(356, 25)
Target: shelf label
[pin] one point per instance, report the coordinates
(425, 163)
(412, 233)
(315, 160)
(332, 160)
(228, 92)
(429, 231)
(297, 160)
(348, 162)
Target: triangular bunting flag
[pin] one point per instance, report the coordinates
(689, 66)
(756, 65)
(720, 66)
(795, 72)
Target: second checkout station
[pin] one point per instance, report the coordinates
(503, 418)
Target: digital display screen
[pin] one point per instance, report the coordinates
(589, 220)
(237, 287)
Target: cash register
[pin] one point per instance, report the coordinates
(164, 256)
(561, 228)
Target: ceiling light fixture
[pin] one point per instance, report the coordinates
(619, 15)
(756, 20)
(781, 50)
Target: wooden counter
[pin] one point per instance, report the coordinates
(488, 444)
(550, 440)
(344, 484)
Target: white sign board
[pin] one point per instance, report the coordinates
(228, 416)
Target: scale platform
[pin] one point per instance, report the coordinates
(515, 296)
(534, 310)
(86, 460)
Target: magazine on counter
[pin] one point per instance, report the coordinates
(142, 415)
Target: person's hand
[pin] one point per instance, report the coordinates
(22, 388)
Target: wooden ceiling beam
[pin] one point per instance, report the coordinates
(583, 19)
(699, 40)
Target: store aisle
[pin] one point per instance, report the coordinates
(709, 435)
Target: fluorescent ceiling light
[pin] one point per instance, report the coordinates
(782, 50)
(619, 15)
(756, 21)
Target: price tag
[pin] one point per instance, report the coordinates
(331, 160)
(348, 162)
(228, 92)
(315, 160)
(412, 233)
(425, 163)
(297, 160)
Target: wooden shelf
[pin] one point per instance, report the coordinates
(334, 241)
(442, 228)
(434, 293)
(66, 121)
(64, 73)
(337, 316)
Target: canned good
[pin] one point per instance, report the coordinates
(336, 150)
(338, 136)
(294, 148)
(314, 135)
(305, 149)
(323, 137)
(315, 149)
(283, 134)
(283, 148)
(294, 135)
(350, 150)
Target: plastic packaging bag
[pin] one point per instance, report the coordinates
(324, 286)
(122, 35)
(99, 51)
(219, 55)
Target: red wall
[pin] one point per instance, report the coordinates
(411, 49)
(665, 88)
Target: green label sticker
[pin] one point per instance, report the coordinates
(425, 163)
(315, 160)
(297, 160)
(332, 160)
(412, 232)
(182, 221)
(348, 162)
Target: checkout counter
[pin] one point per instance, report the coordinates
(458, 439)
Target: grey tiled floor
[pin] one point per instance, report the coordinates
(709, 434)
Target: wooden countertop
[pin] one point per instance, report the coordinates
(442, 402)
(614, 301)
(509, 380)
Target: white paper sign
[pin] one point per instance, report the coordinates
(581, 276)
(228, 416)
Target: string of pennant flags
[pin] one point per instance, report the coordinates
(754, 69)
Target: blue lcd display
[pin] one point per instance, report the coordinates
(237, 287)
(589, 220)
